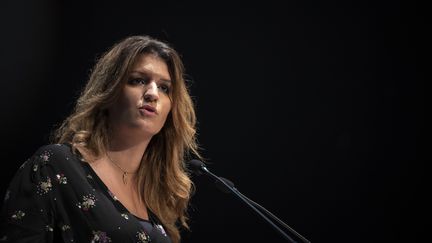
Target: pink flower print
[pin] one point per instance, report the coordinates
(100, 237)
(45, 156)
(44, 186)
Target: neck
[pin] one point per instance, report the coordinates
(127, 155)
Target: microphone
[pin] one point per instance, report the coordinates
(197, 166)
(227, 186)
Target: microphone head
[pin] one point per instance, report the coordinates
(197, 166)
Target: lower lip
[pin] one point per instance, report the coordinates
(147, 112)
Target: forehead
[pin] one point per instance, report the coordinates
(151, 64)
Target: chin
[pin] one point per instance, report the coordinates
(150, 131)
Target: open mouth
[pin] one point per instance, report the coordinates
(148, 108)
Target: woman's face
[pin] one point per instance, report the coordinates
(144, 103)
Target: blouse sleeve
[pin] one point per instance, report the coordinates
(28, 212)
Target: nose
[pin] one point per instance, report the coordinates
(151, 92)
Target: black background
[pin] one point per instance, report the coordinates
(315, 110)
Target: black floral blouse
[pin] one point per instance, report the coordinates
(56, 196)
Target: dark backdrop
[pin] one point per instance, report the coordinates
(313, 109)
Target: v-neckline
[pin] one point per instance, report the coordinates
(107, 192)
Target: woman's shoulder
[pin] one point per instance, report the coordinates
(51, 162)
(50, 151)
(58, 155)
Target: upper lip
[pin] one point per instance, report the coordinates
(149, 108)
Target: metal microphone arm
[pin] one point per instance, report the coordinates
(240, 196)
(275, 218)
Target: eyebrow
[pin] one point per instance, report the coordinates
(151, 73)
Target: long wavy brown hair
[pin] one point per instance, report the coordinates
(163, 180)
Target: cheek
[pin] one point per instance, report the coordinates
(121, 105)
(166, 108)
(124, 103)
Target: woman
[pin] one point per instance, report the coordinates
(115, 172)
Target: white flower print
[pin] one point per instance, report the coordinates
(100, 236)
(65, 227)
(49, 228)
(125, 216)
(89, 201)
(18, 215)
(112, 195)
(143, 237)
(61, 178)
(44, 186)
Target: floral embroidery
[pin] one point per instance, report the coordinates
(125, 216)
(65, 227)
(89, 176)
(35, 167)
(88, 202)
(112, 195)
(61, 179)
(48, 228)
(44, 186)
(18, 215)
(99, 236)
(45, 156)
(143, 237)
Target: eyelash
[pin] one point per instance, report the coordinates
(165, 88)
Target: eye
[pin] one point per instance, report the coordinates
(165, 88)
(135, 81)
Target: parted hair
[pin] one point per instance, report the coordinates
(163, 180)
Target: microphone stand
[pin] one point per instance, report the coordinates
(243, 199)
(228, 182)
